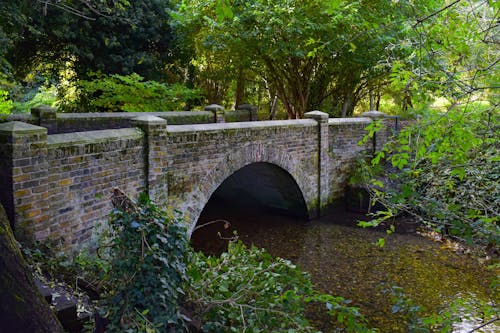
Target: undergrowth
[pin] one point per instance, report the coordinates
(444, 171)
(150, 280)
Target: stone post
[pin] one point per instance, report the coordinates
(155, 159)
(252, 111)
(47, 117)
(323, 159)
(23, 174)
(218, 112)
(382, 136)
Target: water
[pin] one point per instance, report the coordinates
(343, 260)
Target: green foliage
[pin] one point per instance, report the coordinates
(39, 96)
(147, 271)
(5, 103)
(130, 93)
(451, 54)
(306, 52)
(119, 37)
(247, 290)
(445, 171)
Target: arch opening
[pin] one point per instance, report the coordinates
(259, 195)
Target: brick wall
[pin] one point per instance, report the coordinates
(344, 135)
(201, 157)
(82, 171)
(58, 186)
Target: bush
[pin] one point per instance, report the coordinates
(147, 271)
(36, 97)
(247, 290)
(5, 103)
(445, 172)
(127, 93)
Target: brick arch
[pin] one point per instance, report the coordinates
(235, 161)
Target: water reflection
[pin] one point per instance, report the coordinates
(344, 261)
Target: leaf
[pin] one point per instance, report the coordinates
(223, 10)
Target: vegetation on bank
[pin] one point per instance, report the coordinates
(444, 171)
(150, 280)
(145, 277)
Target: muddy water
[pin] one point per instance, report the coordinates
(344, 260)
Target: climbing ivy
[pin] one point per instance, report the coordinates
(147, 271)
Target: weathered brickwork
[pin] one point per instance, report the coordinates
(344, 135)
(82, 171)
(201, 157)
(58, 186)
(23, 162)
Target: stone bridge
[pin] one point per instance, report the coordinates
(57, 186)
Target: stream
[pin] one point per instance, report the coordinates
(343, 260)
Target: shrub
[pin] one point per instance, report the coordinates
(147, 271)
(5, 103)
(127, 93)
(247, 290)
(445, 172)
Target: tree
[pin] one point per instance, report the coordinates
(22, 309)
(91, 36)
(308, 51)
(447, 166)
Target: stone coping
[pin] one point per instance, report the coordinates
(242, 125)
(68, 139)
(349, 121)
(130, 115)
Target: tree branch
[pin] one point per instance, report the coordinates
(485, 324)
(436, 13)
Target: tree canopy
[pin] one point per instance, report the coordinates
(314, 54)
(334, 55)
(106, 36)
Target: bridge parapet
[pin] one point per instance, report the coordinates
(57, 122)
(202, 156)
(58, 185)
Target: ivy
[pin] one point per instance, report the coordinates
(147, 271)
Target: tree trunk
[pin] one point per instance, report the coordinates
(346, 106)
(273, 108)
(22, 307)
(239, 97)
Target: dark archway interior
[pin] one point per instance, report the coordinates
(259, 195)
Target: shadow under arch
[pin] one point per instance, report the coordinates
(248, 198)
(194, 202)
